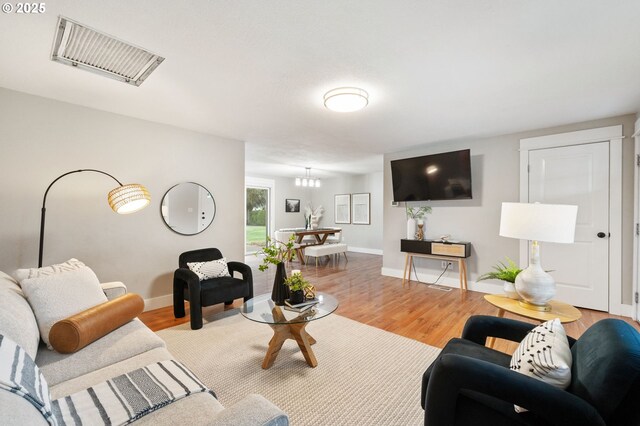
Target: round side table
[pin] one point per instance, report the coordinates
(565, 312)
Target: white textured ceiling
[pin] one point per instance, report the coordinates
(435, 70)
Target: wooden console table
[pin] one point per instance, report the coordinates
(462, 266)
(450, 252)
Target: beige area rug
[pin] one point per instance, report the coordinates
(365, 376)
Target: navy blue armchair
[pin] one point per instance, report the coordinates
(470, 384)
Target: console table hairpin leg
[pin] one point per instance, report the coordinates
(462, 266)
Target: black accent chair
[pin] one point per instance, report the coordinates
(187, 285)
(470, 384)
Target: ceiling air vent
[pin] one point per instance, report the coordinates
(77, 45)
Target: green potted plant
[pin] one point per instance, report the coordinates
(506, 272)
(297, 284)
(275, 253)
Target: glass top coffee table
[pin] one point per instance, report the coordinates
(288, 324)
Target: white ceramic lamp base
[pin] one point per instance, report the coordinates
(534, 285)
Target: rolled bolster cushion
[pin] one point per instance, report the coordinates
(74, 333)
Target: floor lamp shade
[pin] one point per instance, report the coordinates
(554, 223)
(123, 200)
(129, 198)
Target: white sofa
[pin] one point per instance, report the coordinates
(125, 349)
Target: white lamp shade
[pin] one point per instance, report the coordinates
(553, 223)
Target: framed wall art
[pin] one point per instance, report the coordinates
(361, 208)
(342, 207)
(291, 205)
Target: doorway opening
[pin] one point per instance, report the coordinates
(259, 214)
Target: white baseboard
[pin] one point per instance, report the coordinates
(364, 250)
(450, 279)
(158, 302)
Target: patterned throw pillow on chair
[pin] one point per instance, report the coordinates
(208, 270)
(544, 354)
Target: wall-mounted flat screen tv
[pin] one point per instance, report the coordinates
(445, 176)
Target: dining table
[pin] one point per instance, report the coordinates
(320, 234)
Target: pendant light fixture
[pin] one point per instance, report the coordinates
(307, 180)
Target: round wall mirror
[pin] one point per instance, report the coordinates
(188, 208)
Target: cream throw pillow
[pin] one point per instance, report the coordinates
(212, 269)
(59, 291)
(70, 265)
(544, 354)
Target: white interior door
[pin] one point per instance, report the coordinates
(636, 215)
(577, 175)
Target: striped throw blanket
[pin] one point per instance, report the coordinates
(118, 401)
(20, 375)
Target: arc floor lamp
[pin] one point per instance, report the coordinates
(124, 199)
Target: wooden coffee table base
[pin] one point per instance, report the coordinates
(297, 332)
(288, 330)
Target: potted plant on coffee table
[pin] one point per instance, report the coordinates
(506, 273)
(275, 253)
(297, 284)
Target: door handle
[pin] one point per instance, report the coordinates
(601, 234)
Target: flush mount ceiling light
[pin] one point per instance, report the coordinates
(346, 99)
(307, 180)
(79, 46)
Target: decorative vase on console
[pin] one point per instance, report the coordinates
(413, 214)
(420, 231)
(411, 228)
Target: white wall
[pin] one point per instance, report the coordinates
(365, 238)
(41, 139)
(286, 188)
(495, 175)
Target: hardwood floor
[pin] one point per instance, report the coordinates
(414, 310)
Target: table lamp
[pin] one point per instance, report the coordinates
(553, 223)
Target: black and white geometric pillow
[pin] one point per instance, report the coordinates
(544, 354)
(211, 269)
